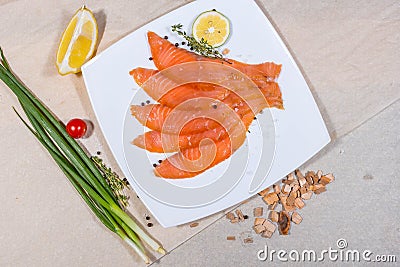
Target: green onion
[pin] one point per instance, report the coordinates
(84, 173)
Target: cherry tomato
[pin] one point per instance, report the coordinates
(76, 128)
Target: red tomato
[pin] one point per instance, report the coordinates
(76, 128)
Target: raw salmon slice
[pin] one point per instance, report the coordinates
(155, 116)
(193, 161)
(154, 141)
(166, 54)
(177, 95)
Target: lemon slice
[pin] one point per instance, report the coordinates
(78, 42)
(212, 26)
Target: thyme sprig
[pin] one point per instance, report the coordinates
(201, 47)
(116, 184)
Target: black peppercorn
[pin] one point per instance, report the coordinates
(149, 225)
(150, 58)
(166, 37)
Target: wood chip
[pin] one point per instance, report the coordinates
(291, 198)
(320, 190)
(235, 220)
(302, 181)
(295, 188)
(271, 198)
(309, 179)
(248, 240)
(286, 189)
(307, 195)
(269, 226)
(258, 212)
(289, 208)
(274, 216)
(303, 190)
(299, 174)
(330, 176)
(230, 216)
(326, 179)
(273, 206)
(277, 188)
(264, 192)
(230, 237)
(259, 228)
(296, 218)
(240, 215)
(299, 203)
(195, 224)
(319, 174)
(266, 234)
(284, 223)
(258, 221)
(313, 176)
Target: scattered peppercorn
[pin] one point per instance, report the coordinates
(149, 225)
(255, 118)
(142, 104)
(183, 43)
(98, 153)
(176, 44)
(214, 106)
(214, 9)
(249, 131)
(147, 101)
(191, 48)
(150, 58)
(159, 161)
(166, 37)
(147, 217)
(245, 217)
(154, 165)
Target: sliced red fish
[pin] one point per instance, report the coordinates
(179, 94)
(166, 54)
(195, 160)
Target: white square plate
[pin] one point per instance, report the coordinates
(299, 129)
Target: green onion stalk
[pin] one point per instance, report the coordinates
(77, 166)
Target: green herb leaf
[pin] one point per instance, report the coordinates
(202, 48)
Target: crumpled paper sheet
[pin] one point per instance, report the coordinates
(348, 51)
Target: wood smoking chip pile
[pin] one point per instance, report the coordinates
(290, 193)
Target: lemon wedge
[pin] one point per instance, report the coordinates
(212, 26)
(78, 42)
